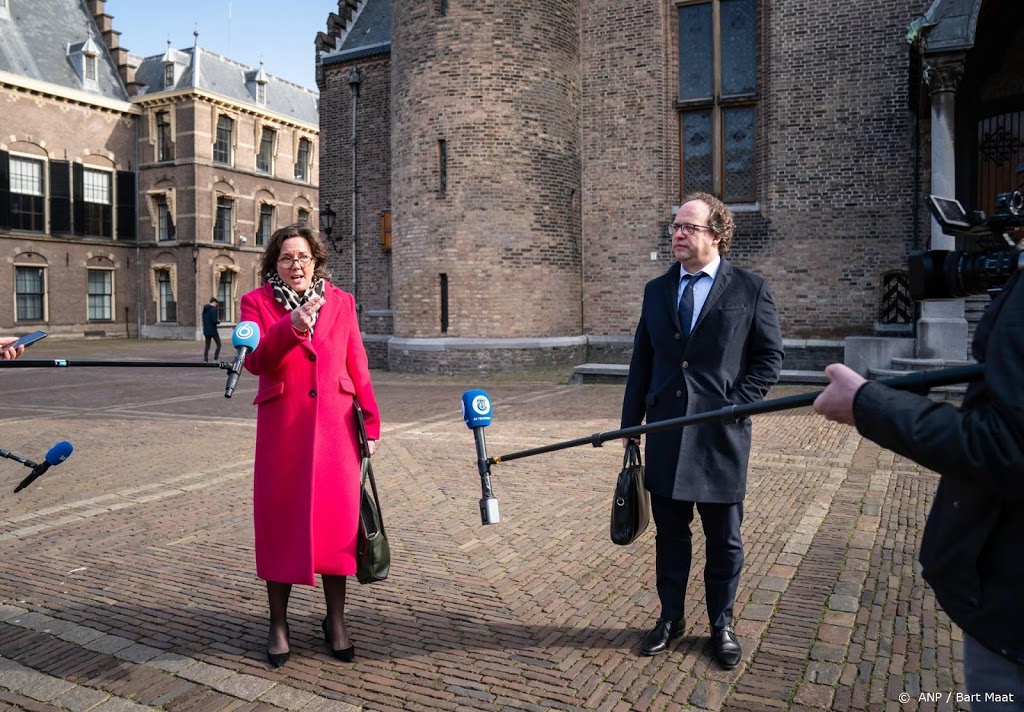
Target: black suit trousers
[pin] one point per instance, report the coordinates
(674, 552)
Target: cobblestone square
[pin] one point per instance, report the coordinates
(127, 578)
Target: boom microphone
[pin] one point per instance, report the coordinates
(244, 338)
(56, 455)
(476, 411)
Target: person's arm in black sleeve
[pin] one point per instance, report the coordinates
(983, 444)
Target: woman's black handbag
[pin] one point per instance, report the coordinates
(631, 508)
(373, 554)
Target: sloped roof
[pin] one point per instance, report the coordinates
(952, 25)
(36, 38)
(370, 34)
(227, 78)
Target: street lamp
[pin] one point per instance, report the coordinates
(327, 224)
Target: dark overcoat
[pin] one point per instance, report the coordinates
(733, 356)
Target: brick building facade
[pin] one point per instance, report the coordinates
(530, 157)
(134, 189)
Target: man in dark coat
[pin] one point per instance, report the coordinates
(708, 338)
(975, 529)
(210, 322)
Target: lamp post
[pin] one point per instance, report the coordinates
(355, 79)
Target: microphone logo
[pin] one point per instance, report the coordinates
(245, 331)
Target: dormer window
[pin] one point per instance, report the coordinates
(256, 83)
(84, 58)
(168, 74)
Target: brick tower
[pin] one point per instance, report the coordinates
(486, 175)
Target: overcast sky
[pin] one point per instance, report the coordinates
(247, 31)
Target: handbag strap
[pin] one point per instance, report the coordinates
(367, 474)
(366, 469)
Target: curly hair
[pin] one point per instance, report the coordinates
(316, 248)
(720, 219)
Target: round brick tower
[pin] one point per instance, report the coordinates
(486, 174)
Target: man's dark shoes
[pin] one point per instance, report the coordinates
(658, 639)
(726, 647)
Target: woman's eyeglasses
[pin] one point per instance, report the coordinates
(288, 262)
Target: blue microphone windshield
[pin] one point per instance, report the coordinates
(59, 452)
(247, 334)
(476, 409)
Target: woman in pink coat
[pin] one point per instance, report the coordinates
(311, 365)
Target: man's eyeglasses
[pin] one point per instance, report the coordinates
(687, 228)
(288, 262)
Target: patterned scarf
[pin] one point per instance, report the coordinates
(292, 300)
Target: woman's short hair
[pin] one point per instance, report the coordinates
(720, 219)
(316, 248)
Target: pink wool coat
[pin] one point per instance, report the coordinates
(306, 476)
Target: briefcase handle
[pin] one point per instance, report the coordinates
(632, 455)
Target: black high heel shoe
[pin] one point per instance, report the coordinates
(345, 655)
(278, 659)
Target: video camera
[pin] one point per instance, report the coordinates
(946, 274)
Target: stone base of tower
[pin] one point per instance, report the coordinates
(461, 355)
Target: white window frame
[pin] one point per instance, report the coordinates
(42, 295)
(109, 294)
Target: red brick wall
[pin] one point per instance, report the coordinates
(50, 128)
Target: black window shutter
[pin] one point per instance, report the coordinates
(125, 204)
(60, 197)
(78, 183)
(5, 190)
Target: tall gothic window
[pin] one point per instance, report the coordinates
(718, 98)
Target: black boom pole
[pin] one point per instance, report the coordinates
(68, 363)
(920, 382)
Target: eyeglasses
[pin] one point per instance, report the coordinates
(288, 262)
(687, 228)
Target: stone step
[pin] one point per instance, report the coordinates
(927, 364)
(953, 392)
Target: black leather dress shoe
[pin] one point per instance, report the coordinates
(727, 648)
(658, 639)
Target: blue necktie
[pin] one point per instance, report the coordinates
(686, 304)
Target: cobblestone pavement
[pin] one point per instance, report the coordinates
(127, 578)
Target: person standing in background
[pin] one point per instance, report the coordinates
(210, 322)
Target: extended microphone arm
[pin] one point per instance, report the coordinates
(17, 458)
(920, 382)
(68, 363)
